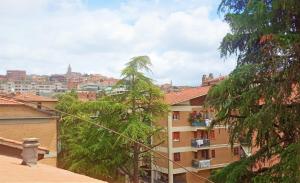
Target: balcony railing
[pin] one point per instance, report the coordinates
(197, 143)
(204, 123)
(201, 163)
(198, 123)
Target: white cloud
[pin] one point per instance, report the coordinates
(45, 36)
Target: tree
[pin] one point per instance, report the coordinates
(260, 99)
(96, 151)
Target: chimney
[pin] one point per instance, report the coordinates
(30, 151)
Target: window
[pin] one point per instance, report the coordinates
(176, 156)
(204, 154)
(196, 155)
(212, 135)
(176, 115)
(195, 134)
(236, 151)
(39, 105)
(176, 136)
(213, 153)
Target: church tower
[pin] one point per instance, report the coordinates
(69, 70)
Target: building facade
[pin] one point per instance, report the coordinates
(190, 143)
(19, 120)
(16, 75)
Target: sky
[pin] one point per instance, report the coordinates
(181, 37)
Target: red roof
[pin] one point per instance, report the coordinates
(19, 145)
(185, 95)
(6, 101)
(33, 98)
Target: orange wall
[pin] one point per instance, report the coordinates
(183, 121)
(185, 139)
(223, 155)
(19, 111)
(161, 161)
(190, 178)
(44, 129)
(185, 159)
(221, 136)
(20, 128)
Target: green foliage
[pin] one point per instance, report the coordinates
(97, 152)
(261, 96)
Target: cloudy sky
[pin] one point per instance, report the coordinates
(99, 36)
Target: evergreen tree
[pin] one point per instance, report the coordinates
(260, 99)
(96, 151)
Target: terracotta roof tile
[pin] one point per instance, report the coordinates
(33, 98)
(187, 94)
(19, 145)
(8, 101)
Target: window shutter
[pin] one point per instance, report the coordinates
(213, 153)
(176, 156)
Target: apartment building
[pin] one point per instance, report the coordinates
(16, 75)
(28, 86)
(189, 141)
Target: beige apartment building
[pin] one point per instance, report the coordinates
(19, 120)
(189, 141)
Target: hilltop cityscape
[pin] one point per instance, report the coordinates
(202, 91)
(19, 81)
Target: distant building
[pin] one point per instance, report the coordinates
(87, 95)
(210, 80)
(16, 75)
(57, 78)
(44, 88)
(2, 78)
(72, 75)
(69, 72)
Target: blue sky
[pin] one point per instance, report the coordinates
(99, 36)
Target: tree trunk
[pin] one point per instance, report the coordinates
(136, 163)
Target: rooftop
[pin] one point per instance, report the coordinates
(187, 94)
(11, 170)
(19, 145)
(7, 101)
(29, 97)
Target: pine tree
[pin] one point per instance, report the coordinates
(260, 100)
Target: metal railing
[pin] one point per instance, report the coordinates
(197, 143)
(201, 163)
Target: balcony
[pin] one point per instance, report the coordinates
(198, 123)
(199, 164)
(198, 143)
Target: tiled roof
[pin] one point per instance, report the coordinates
(11, 170)
(187, 94)
(18, 145)
(8, 101)
(33, 98)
